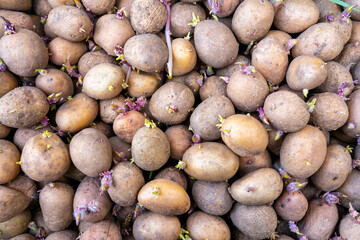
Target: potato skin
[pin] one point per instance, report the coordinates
(56, 3)
(231, 68)
(15, 225)
(24, 236)
(99, 7)
(190, 80)
(325, 7)
(91, 59)
(8, 82)
(216, 227)
(351, 188)
(12, 202)
(252, 163)
(143, 84)
(107, 114)
(62, 50)
(210, 161)
(18, 19)
(17, 5)
(126, 125)
(41, 7)
(184, 56)
(179, 137)
(8, 158)
(211, 49)
(102, 230)
(4, 131)
(348, 228)
(291, 207)
(173, 174)
(282, 37)
(226, 7)
(63, 235)
(170, 200)
(213, 86)
(354, 113)
(150, 224)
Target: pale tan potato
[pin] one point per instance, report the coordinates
(354, 113)
(9, 156)
(7, 81)
(99, 7)
(24, 236)
(62, 50)
(63, 235)
(184, 56)
(355, 33)
(291, 207)
(143, 84)
(350, 188)
(107, 114)
(349, 56)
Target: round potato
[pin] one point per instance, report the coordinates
(349, 228)
(291, 207)
(62, 50)
(99, 7)
(126, 125)
(41, 7)
(173, 174)
(353, 119)
(22, 135)
(179, 137)
(252, 163)
(102, 230)
(233, 67)
(184, 56)
(63, 235)
(191, 80)
(107, 112)
(351, 188)
(13, 202)
(143, 84)
(8, 82)
(282, 37)
(4, 131)
(15, 225)
(93, 58)
(213, 86)
(9, 156)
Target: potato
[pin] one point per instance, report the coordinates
(56, 200)
(148, 16)
(104, 81)
(90, 151)
(99, 7)
(102, 230)
(345, 30)
(355, 32)
(184, 56)
(179, 137)
(146, 52)
(126, 125)
(213, 86)
(171, 103)
(45, 158)
(8, 82)
(103, 127)
(38, 219)
(76, 114)
(109, 26)
(354, 112)
(254, 221)
(142, 84)
(62, 50)
(173, 174)
(270, 59)
(257, 187)
(244, 135)
(226, 7)
(181, 16)
(285, 87)
(231, 68)
(291, 207)
(22, 135)
(283, 37)
(350, 188)
(13, 202)
(56, 3)
(150, 225)
(252, 163)
(330, 112)
(24, 236)
(63, 235)
(17, 5)
(212, 197)
(348, 228)
(206, 115)
(190, 80)
(19, 20)
(69, 22)
(252, 20)
(302, 164)
(216, 227)
(150, 148)
(4, 131)
(15, 225)
(42, 7)
(321, 40)
(210, 161)
(237, 235)
(247, 92)
(278, 103)
(211, 49)
(326, 6)
(91, 59)
(165, 197)
(89, 191)
(23, 52)
(107, 114)
(320, 220)
(9, 156)
(124, 3)
(55, 81)
(275, 145)
(74, 173)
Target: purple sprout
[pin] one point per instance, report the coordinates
(263, 117)
(354, 213)
(291, 43)
(355, 163)
(167, 36)
(294, 228)
(121, 155)
(345, 85)
(2, 66)
(278, 134)
(214, 6)
(71, 71)
(295, 186)
(281, 171)
(121, 13)
(138, 210)
(250, 188)
(304, 238)
(191, 209)
(115, 209)
(79, 213)
(225, 79)
(330, 17)
(171, 109)
(106, 181)
(93, 206)
(332, 198)
(137, 105)
(54, 98)
(46, 39)
(8, 27)
(88, 12)
(200, 80)
(351, 125)
(119, 52)
(196, 138)
(345, 17)
(118, 109)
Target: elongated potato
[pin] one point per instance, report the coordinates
(184, 56)
(8, 158)
(354, 113)
(15, 225)
(351, 188)
(179, 137)
(13, 202)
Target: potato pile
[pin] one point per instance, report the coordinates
(182, 119)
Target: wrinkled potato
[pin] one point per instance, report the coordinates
(106, 112)
(354, 113)
(126, 125)
(102, 230)
(184, 56)
(179, 137)
(252, 163)
(173, 174)
(8, 82)
(91, 59)
(15, 225)
(291, 207)
(143, 84)
(9, 156)
(351, 188)
(99, 7)
(213, 86)
(62, 50)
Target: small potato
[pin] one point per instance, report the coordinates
(351, 188)
(18, 19)
(8, 82)
(9, 156)
(24, 185)
(63, 235)
(69, 22)
(171, 103)
(15, 225)
(90, 151)
(74, 173)
(107, 114)
(247, 92)
(213, 86)
(278, 103)
(17, 5)
(56, 3)
(62, 50)
(233, 67)
(244, 135)
(126, 125)
(76, 114)
(173, 174)
(127, 180)
(184, 56)
(146, 52)
(326, 6)
(257, 222)
(56, 200)
(249, 164)
(205, 117)
(212, 197)
(282, 37)
(150, 148)
(216, 227)
(105, 128)
(104, 81)
(354, 113)
(291, 207)
(330, 112)
(190, 80)
(42, 7)
(4, 131)
(252, 20)
(102, 230)
(285, 87)
(302, 164)
(109, 26)
(150, 225)
(143, 84)
(213, 50)
(179, 137)
(275, 145)
(349, 55)
(91, 59)
(99, 7)
(226, 7)
(165, 197)
(22, 135)
(24, 236)
(257, 187)
(349, 228)
(45, 158)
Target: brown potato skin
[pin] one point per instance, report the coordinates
(171, 199)
(62, 50)
(173, 174)
(4, 131)
(351, 188)
(354, 113)
(24, 236)
(150, 148)
(236, 134)
(291, 207)
(296, 117)
(126, 125)
(212, 197)
(86, 110)
(22, 135)
(210, 161)
(57, 205)
(179, 137)
(127, 182)
(231, 68)
(56, 3)
(17, 5)
(91, 59)
(216, 227)
(41, 7)
(91, 152)
(190, 80)
(213, 86)
(143, 84)
(8, 158)
(355, 32)
(63, 235)
(15, 225)
(206, 115)
(326, 6)
(257, 222)
(226, 7)
(18, 19)
(8, 82)
(99, 7)
(184, 56)
(254, 27)
(349, 55)
(252, 163)
(211, 49)
(312, 143)
(355, 16)
(107, 114)
(102, 230)
(150, 224)
(283, 37)
(348, 228)
(12, 202)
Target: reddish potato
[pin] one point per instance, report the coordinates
(179, 137)
(126, 125)
(291, 207)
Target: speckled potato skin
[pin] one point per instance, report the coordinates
(232, 67)
(91, 59)
(13, 202)
(291, 207)
(354, 115)
(63, 235)
(45, 158)
(62, 50)
(8, 82)
(213, 86)
(348, 228)
(107, 114)
(150, 224)
(300, 148)
(41, 7)
(72, 19)
(8, 158)
(126, 125)
(351, 188)
(173, 174)
(252, 163)
(206, 115)
(179, 137)
(190, 80)
(102, 230)
(216, 227)
(213, 50)
(99, 7)
(16, 5)
(326, 6)
(283, 37)
(15, 225)
(4, 131)
(171, 199)
(18, 19)
(22, 135)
